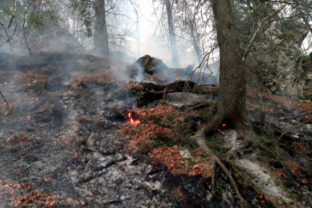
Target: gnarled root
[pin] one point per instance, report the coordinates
(201, 142)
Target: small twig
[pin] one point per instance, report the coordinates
(6, 30)
(291, 127)
(206, 56)
(303, 155)
(303, 16)
(5, 101)
(268, 150)
(9, 36)
(213, 181)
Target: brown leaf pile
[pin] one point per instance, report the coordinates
(177, 165)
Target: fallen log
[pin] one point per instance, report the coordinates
(146, 93)
(189, 95)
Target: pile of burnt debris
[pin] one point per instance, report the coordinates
(81, 131)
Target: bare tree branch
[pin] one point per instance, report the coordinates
(260, 24)
(204, 62)
(13, 16)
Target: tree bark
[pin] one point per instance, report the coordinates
(230, 105)
(101, 34)
(172, 35)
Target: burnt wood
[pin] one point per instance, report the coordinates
(146, 93)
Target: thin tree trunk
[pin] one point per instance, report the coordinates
(172, 35)
(26, 40)
(195, 41)
(101, 34)
(27, 44)
(138, 32)
(230, 105)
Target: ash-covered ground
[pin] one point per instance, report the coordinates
(61, 143)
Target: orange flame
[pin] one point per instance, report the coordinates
(132, 120)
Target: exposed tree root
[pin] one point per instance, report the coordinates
(200, 139)
(265, 196)
(213, 124)
(240, 122)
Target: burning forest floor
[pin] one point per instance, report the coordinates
(77, 134)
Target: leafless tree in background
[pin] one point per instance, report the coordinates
(172, 33)
(100, 32)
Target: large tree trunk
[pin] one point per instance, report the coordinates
(230, 105)
(101, 34)
(172, 35)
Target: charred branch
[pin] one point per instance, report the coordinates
(146, 93)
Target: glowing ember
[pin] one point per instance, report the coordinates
(222, 127)
(133, 120)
